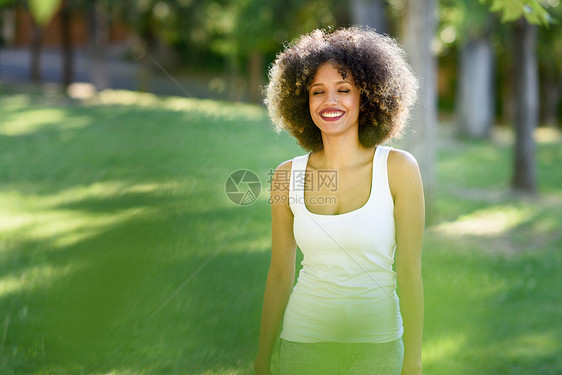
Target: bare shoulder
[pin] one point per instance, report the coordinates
(285, 166)
(280, 181)
(282, 174)
(403, 170)
(402, 161)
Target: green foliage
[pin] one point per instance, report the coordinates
(549, 46)
(231, 29)
(44, 10)
(243, 27)
(461, 19)
(6, 3)
(534, 11)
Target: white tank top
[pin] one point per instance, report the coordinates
(346, 289)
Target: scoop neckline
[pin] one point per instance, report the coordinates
(352, 211)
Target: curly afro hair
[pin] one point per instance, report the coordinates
(379, 70)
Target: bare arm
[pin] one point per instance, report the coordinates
(409, 215)
(281, 270)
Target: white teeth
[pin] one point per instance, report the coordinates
(332, 114)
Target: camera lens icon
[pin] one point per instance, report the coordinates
(242, 187)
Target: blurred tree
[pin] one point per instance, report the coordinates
(341, 12)
(534, 11)
(549, 52)
(242, 34)
(503, 46)
(6, 19)
(35, 60)
(243, 41)
(98, 45)
(469, 24)
(140, 16)
(419, 29)
(159, 26)
(524, 15)
(67, 47)
(471, 27)
(526, 95)
(475, 90)
(370, 13)
(4, 4)
(42, 12)
(245, 31)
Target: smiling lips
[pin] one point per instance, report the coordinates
(331, 114)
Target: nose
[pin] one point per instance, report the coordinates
(332, 97)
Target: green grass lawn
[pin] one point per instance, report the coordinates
(121, 254)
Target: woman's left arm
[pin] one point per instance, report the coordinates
(409, 216)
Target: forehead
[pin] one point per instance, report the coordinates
(330, 72)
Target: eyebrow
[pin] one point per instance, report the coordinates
(337, 83)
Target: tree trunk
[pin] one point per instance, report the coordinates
(256, 70)
(342, 13)
(475, 96)
(419, 27)
(526, 105)
(145, 46)
(369, 13)
(99, 36)
(36, 41)
(551, 96)
(236, 88)
(507, 99)
(2, 36)
(66, 37)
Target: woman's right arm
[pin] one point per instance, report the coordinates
(281, 273)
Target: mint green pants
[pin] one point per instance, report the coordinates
(327, 358)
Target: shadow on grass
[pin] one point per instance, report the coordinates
(491, 312)
(123, 298)
(134, 298)
(177, 287)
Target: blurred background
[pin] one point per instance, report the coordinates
(221, 49)
(121, 121)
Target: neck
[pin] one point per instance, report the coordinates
(342, 151)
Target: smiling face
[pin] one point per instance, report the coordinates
(333, 101)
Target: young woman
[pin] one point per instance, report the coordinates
(355, 208)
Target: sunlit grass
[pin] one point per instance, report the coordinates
(33, 277)
(103, 223)
(532, 345)
(121, 254)
(490, 221)
(442, 349)
(46, 218)
(41, 119)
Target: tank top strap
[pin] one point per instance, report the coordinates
(380, 174)
(297, 179)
